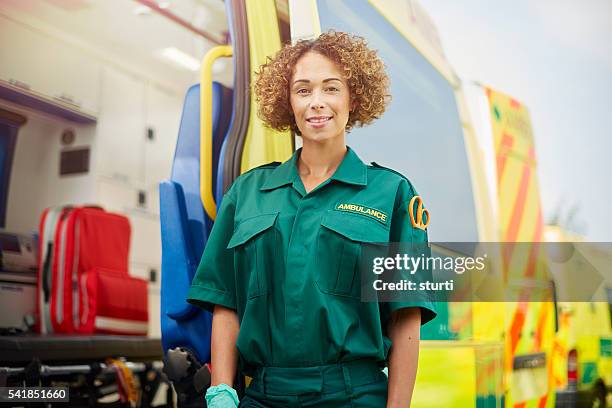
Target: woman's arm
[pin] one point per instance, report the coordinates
(223, 351)
(404, 332)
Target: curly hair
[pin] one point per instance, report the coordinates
(363, 69)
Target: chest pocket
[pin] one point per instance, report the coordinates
(255, 242)
(339, 245)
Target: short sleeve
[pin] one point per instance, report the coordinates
(213, 283)
(410, 237)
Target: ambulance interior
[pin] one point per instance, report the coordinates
(91, 102)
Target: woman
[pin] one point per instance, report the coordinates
(279, 271)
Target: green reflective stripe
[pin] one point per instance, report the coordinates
(489, 401)
(589, 372)
(605, 347)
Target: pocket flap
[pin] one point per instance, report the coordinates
(356, 227)
(250, 227)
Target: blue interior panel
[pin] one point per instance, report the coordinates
(185, 225)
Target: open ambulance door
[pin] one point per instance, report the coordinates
(219, 138)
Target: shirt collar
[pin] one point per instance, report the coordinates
(350, 171)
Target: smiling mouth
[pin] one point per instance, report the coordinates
(319, 119)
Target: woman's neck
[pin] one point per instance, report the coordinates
(320, 160)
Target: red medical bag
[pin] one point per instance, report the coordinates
(84, 285)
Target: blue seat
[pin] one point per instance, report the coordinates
(185, 225)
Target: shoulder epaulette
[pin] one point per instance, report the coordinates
(270, 165)
(378, 166)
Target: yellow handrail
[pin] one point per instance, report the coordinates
(206, 137)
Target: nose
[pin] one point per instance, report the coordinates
(316, 101)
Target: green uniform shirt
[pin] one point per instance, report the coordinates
(286, 261)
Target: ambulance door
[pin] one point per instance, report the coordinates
(266, 23)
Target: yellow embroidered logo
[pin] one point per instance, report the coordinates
(363, 210)
(418, 221)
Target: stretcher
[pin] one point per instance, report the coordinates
(15, 350)
(92, 367)
(75, 248)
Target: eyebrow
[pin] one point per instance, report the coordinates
(308, 81)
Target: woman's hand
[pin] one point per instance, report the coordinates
(221, 396)
(404, 332)
(223, 351)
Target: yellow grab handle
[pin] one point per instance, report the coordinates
(206, 137)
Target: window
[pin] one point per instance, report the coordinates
(420, 135)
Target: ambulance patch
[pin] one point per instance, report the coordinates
(363, 210)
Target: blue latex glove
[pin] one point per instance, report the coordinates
(221, 396)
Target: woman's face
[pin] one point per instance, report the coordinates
(320, 98)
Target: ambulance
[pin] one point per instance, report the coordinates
(582, 357)
(131, 123)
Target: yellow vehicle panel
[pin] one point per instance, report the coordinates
(263, 145)
(468, 370)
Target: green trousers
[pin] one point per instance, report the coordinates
(354, 384)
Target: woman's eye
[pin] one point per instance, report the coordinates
(302, 91)
(332, 88)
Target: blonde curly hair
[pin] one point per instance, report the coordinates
(363, 69)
